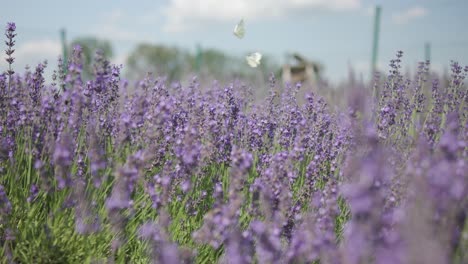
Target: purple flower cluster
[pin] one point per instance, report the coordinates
(210, 173)
(10, 42)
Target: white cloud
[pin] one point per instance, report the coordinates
(34, 52)
(407, 15)
(182, 14)
(44, 47)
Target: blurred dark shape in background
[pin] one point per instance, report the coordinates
(299, 69)
(90, 45)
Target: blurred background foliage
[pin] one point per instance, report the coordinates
(176, 63)
(90, 46)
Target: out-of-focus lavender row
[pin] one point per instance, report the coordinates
(283, 180)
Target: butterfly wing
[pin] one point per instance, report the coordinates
(254, 59)
(239, 29)
(257, 56)
(251, 61)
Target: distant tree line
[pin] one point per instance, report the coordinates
(175, 63)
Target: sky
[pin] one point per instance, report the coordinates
(336, 33)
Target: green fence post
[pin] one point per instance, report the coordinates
(64, 49)
(427, 51)
(375, 45)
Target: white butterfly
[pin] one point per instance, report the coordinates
(239, 30)
(254, 59)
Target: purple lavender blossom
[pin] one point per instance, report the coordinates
(10, 34)
(212, 171)
(63, 160)
(5, 207)
(34, 191)
(163, 250)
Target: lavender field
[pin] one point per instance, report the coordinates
(105, 170)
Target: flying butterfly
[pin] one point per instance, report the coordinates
(254, 59)
(239, 29)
